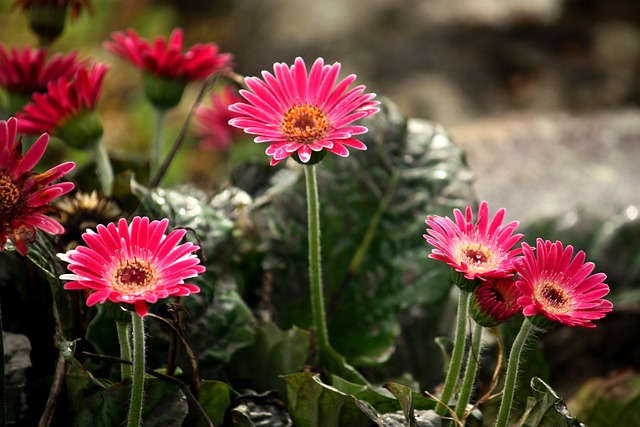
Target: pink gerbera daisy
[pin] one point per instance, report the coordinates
(479, 250)
(299, 113)
(495, 301)
(560, 287)
(27, 71)
(166, 58)
(132, 263)
(25, 196)
(212, 122)
(66, 110)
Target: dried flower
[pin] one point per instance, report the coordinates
(304, 114)
(24, 195)
(559, 286)
(132, 263)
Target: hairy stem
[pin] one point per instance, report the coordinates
(137, 380)
(473, 361)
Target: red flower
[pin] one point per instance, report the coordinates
(212, 122)
(167, 59)
(25, 196)
(299, 113)
(560, 287)
(27, 71)
(132, 263)
(478, 250)
(66, 103)
(495, 301)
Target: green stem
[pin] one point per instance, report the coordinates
(137, 380)
(473, 360)
(315, 269)
(512, 373)
(124, 338)
(105, 170)
(455, 363)
(157, 144)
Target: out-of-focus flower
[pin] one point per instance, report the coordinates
(212, 122)
(47, 17)
(24, 195)
(27, 71)
(560, 287)
(479, 250)
(166, 68)
(494, 301)
(83, 211)
(134, 263)
(67, 109)
(304, 114)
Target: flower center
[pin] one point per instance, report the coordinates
(553, 297)
(304, 123)
(478, 258)
(10, 198)
(134, 277)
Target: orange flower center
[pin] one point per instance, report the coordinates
(304, 123)
(10, 198)
(134, 277)
(553, 297)
(478, 258)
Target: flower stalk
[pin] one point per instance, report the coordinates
(105, 169)
(124, 339)
(134, 418)
(473, 361)
(315, 266)
(512, 373)
(455, 364)
(157, 144)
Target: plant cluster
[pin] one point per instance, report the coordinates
(178, 306)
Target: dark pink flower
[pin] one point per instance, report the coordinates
(134, 263)
(65, 109)
(495, 301)
(559, 286)
(24, 195)
(212, 122)
(479, 250)
(299, 113)
(28, 70)
(166, 58)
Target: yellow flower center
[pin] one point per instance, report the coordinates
(553, 297)
(134, 277)
(10, 198)
(478, 258)
(304, 123)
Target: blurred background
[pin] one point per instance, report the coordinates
(542, 94)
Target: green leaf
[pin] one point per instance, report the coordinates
(405, 396)
(546, 409)
(314, 404)
(214, 398)
(274, 352)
